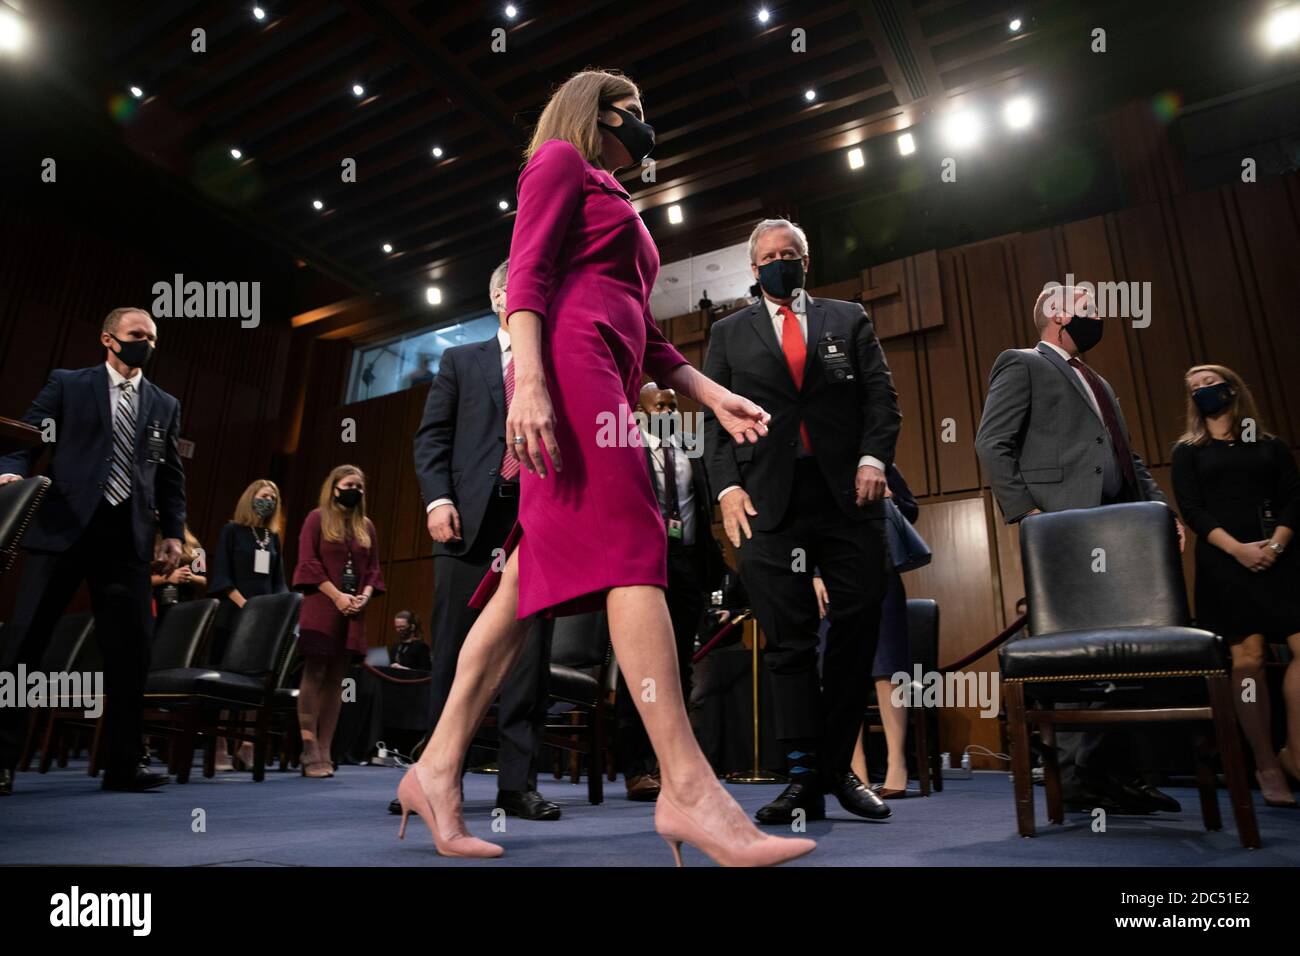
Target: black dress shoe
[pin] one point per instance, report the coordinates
(6, 782)
(138, 782)
(1138, 793)
(807, 797)
(528, 804)
(1082, 797)
(854, 797)
(395, 807)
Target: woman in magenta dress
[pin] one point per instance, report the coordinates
(338, 568)
(590, 535)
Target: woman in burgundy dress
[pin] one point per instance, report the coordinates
(338, 569)
(590, 534)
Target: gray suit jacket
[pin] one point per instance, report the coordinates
(1041, 442)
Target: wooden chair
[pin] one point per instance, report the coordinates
(70, 645)
(1107, 604)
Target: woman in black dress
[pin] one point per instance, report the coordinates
(1238, 488)
(246, 563)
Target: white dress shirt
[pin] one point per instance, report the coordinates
(1078, 373)
(799, 306)
(682, 472)
(503, 339)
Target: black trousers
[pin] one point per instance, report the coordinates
(686, 603)
(777, 568)
(522, 705)
(105, 558)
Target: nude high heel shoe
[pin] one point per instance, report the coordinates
(411, 795)
(676, 827)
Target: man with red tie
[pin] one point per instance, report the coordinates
(809, 495)
(471, 489)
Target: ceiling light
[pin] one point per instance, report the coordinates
(1015, 25)
(317, 205)
(388, 247)
(511, 11)
(358, 89)
(13, 31)
(906, 145)
(236, 153)
(259, 13)
(433, 295)
(137, 92)
(810, 95)
(503, 205)
(1282, 28)
(962, 128)
(1018, 112)
(675, 215)
(855, 158)
(437, 152)
(763, 15)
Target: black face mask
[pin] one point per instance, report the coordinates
(1212, 399)
(781, 277)
(638, 138)
(133, 353)
(264, 507)
(1085, 331)
(348, 497)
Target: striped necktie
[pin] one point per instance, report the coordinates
(118, 487)
(509, 463)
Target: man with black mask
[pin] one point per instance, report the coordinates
(1053, 437)
(810, 494)
(115, 462)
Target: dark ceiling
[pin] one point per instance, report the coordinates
(736, 138)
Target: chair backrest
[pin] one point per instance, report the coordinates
(264, 635)
(19, 501)
(181, 633)
(71, 634)
(1112, 566)
(580, 640)
(377, 656)
(923, 632)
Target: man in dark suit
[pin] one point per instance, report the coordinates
(1053, 437)
(471, 488)
(695, 567)
(809, 495)
(115, 464)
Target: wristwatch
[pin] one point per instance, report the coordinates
(1275, 547)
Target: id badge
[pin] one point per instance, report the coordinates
(261, 562)
(156, 442)
(348, 580)
(835, 360)
(674, 528)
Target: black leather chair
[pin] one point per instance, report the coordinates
(70, 644)
(190, 700)
(19, 502)
(923, 722)
(580, 671)
(1107, 603)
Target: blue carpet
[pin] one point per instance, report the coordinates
(63, 818)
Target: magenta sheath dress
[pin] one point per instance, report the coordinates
(322, 628)
(581, 257)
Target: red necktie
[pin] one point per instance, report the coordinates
(1123, 454)
(509, 463)
(796, 355)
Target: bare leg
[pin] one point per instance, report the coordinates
(895, 721)
(331, 702)
(309, 692)
(1254, 716)
(490, 650)
(859, 762)
(1291, 697)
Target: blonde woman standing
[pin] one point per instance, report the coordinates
(338, 569)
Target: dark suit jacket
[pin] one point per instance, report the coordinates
(462, 436)
(77, 401)
(845, 420)
(707, 553)
(1041, 442)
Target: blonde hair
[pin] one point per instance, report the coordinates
(245, 515)
(113, 318)
(571, 112)
(1241, 408)
(338, 523)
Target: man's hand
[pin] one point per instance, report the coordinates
(5, 479)
(737, 509)
(171, 554)
(870, 484)
(823, 596)
(444, 524)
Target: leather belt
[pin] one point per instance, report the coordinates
(508, 489)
